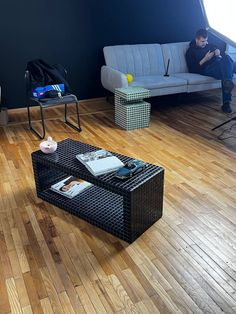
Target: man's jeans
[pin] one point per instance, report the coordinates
(221, 69)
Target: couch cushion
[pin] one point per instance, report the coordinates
(158, 81)
(138, 60)
(175, 52)
(193, 78)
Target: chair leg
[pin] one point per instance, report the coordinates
(77, 128)
(42, 121)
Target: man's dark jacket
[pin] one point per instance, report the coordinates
(42, 74)
(195, 54)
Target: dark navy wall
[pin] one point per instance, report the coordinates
(73, 33)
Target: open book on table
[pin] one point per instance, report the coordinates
(70, 186)
(100, 162)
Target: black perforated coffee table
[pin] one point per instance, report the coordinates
(123, 208)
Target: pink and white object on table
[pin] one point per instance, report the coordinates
(49, 146)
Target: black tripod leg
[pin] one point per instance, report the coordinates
(218, 126)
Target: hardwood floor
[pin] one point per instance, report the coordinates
(53, 262)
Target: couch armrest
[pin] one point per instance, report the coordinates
(112, 79)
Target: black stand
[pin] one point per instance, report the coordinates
(167, 69)
(218, 126)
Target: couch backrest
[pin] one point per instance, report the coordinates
(176, 53)
(231, 51)
(138, 60)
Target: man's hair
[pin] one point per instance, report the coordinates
(201, 33)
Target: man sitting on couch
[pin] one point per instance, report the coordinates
(206, 59)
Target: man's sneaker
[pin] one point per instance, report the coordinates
(226, 108)
(228, 85)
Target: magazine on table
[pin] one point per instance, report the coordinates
(100, 162)
(70, 186)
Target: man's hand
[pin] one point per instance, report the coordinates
(207, 57)
(217, 52)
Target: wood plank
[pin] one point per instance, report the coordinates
(13, 296)
(46, 306)
(27, 310)
(35, 272)
(4, 299)
(51, 291)
(65, 302)
(70, 289)
(20, 250)
(19, 280)
(85, 300)
(32, 293)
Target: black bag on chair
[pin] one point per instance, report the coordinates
(43, 74)
(40, 77)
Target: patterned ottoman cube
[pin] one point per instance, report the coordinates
(133, 116)
(131, 112)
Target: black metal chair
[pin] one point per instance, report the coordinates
(49, 102)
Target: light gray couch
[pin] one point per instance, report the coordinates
(147, 63)
(231, 51)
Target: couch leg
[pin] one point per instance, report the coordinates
(110, 99)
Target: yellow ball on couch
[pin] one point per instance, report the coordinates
(129, 78)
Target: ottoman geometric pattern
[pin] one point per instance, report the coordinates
(131, 112)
